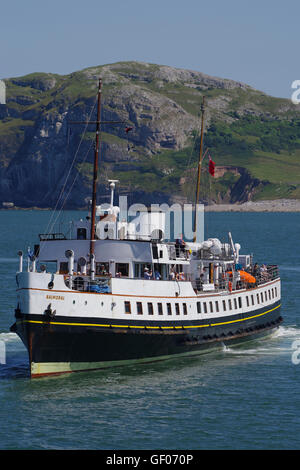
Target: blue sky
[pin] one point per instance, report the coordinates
(255, 42)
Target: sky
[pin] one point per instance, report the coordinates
(255, 42)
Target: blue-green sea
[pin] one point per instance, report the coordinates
(244, 398)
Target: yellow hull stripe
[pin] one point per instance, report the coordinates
(151, 327)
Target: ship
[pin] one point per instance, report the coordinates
(119, 292)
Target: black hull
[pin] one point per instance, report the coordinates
(66, 344)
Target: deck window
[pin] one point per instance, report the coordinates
(229, 304)
(211, 307)
(247, 300)
(150, 308)
(235, 304)
(266, 296)
(275, 291)
(139, 308)
(257, 297)
(127, 307)
(217, 306)
(199, 307)
(204, 307)
(63, 268)
(261, 296)
(122, 269)
(184, 309)
(252, 299)
(169, 309)
(160, 308)
(240, 302)
(102, 269)
(224, 305)
(136, 270)
(177, 309)
(269, 294)
(81, 233)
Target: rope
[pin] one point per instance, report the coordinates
(48, 230)
(52, 223)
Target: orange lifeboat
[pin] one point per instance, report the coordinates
(246, 277)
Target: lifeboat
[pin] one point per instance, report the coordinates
(246, 277)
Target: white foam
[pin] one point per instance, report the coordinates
(287, 331)
(9, 337)
(275, 344)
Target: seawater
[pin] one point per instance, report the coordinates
(237, 398)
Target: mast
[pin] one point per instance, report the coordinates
(199, 169)
(95, 176)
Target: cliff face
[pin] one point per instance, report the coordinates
(40, 146)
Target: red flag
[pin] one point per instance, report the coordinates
(211, 167)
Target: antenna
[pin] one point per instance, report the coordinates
(199, 169)
(98, 123)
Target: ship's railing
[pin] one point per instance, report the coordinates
(228, 282)
(266, 274)
(101, 284)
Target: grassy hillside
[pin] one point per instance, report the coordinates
(254, 137)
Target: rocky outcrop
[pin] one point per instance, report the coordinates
(44, 155)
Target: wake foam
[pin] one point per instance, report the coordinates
(279, 342)
(9, 337)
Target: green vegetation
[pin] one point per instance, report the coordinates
(255, 136)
